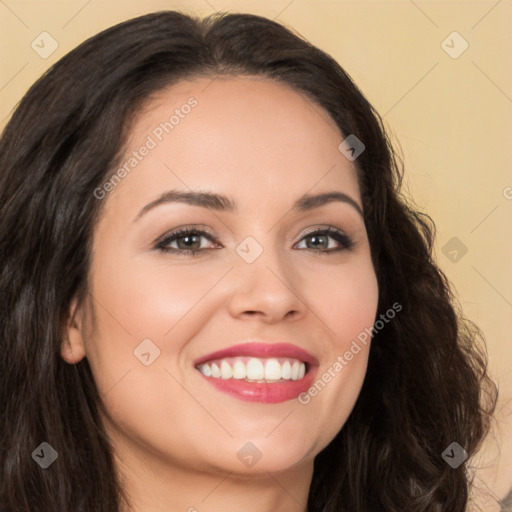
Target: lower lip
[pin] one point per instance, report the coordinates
(263, 392)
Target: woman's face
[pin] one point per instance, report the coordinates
(260, 277)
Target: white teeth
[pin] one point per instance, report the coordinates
(272, 370)
(206, 370)
(225, 371)
(286, 370)
(215, 371)
(255, 369)
(295, 370)
(239, 370)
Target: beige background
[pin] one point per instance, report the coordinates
(452, 117)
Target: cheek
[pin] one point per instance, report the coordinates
(149, 300)
(345, 298)
(136, 302)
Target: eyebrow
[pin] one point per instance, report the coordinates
(220, 202)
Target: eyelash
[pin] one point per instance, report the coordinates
(343, 239)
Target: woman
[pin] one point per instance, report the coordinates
(214, 295)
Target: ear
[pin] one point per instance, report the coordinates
(72, 347)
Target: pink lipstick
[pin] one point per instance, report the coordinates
(259, 372)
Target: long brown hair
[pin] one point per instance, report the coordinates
(426, 384)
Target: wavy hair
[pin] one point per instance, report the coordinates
(427, 383)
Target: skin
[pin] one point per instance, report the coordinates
(176, 437)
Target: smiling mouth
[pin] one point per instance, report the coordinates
(261, 372)
(255, 369)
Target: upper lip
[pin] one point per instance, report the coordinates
(262, 350)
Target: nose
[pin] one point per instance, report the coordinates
(266, 289)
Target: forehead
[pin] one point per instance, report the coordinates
(237, 135)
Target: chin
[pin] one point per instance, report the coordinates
(264, 456)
